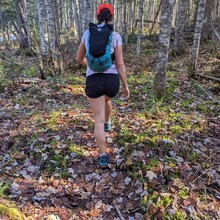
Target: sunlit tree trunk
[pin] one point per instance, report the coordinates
(119, 18)
(40, 10)
(76, 16)
(141, 5)
(93, 11)
(150, 11)
(124, 30)
(51, 26)
(52, 37)
(180, 24)
(84, 14)
(131, 22)
(164, 42)
(57, 17)
(60, 9)
(197, 36)
(42, 53)
(72, 23)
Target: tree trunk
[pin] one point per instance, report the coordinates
(56, 23)
(209, 15)
(197, 36)
(84, 14)
(52, 38)
(139, 28)
(124, 31)
(77, 23)
(57, 17)
(156, 16)
(40, 11)
(21, 27)
(164, 42)
(43, 52)
(1, 20)
(150, 11)
(26, 23)
(180, 24)
(60, 14)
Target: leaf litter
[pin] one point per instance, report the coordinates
(49, 157)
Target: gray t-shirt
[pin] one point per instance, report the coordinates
(116, 41)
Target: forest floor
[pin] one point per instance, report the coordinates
(165, 154)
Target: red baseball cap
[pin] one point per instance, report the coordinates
(105, 5)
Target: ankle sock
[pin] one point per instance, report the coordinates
(103, 154)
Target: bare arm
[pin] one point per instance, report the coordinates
(81, 54)
(120, 66)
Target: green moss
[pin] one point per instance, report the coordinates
(183, 193)
(3, 189)
(176, 129)
(10, 210)
(78, 150)
(164, 201)
(177, 216)
(52, 121)
(185, 103)
(203, 108)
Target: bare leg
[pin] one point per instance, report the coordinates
(108, 108)
(98, 109)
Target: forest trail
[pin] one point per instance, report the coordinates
(49, 158)
(38, 149)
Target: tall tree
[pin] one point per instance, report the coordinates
(40, 10)
(209, 16)
(77, 18)
(43, 51)
(180, 24)
(164, 42)
(141, 5)
(22, 31)
(52, 36)
(124, 29)
(197, 36)
(26, 23)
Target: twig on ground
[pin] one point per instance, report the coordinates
(210, 77)
(174, 95)
(119, 213)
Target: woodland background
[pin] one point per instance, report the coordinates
(165, 143)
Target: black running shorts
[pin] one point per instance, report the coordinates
(100, 84)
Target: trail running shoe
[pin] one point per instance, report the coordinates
(103, 160)
(107, 126)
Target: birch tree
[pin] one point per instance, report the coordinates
(197, 36)
(164, 42)
(40, 11)
(84, 14)
(140, 27)
(51, 33)
(42, 53)
(77, 23)
(124, 29)
(180, 24)
(150, 10)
